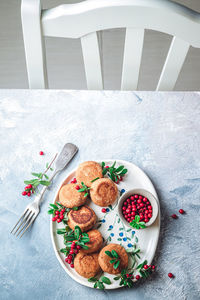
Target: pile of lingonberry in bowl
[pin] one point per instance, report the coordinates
(138, 208)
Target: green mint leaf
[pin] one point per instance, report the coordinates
(59, 204)
(84, 246)
(113, 165)
(130, 283)
(100, 285)
(39, 175)
(137, 218)
(61, 231)
(32, 181)
(50, 211)
(86, 194)
(103, 164)
(105, 280)
(45, 182)
(54, 206)
(116, 278)
(114, 254)
(123, 172)
(104, 171)
(121, 282)
(47, 177)
(120, 168)
(81, 190)
(108, 253)
(112, 261)
(95, 285)
(123, 272)
(77, 232)
(75, 208)
(92, 279)
(116, 265)
(95, 179)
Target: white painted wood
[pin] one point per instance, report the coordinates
(84, 19)
(76, 20)
(92, 63)
(173, 64)
(132, 58)
(33, 43)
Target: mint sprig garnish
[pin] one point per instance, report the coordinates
(114, 173)
(144, 272)
(80, 238)
(125, 278)
(84, 189)
(40, 178)
(99, 283)
(136, 223)
(115, 258)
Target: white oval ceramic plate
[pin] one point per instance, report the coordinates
(111, 226)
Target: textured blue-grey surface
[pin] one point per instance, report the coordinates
(157, 131)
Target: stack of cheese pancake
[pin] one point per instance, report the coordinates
(103, 192)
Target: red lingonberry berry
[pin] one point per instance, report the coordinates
(174, 216)
(58, 220)
(77, 187)
(57, 212)
(72, 265)
(41, 153)
(170, 275)
(153, 267)
(78, 247)
(137, 277)
(24, 193)
(28, 194)
(54, 219)
(103, 210)
(146, 267)
(181, 211)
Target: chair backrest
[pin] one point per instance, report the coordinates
(85, 19)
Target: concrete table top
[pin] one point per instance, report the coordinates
(158, 131)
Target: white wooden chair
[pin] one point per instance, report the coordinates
(83, 20)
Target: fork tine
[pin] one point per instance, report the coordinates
(19, 220)
(28, 219)
(22, 221)
(31, 221)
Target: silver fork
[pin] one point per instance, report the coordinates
(32, 210)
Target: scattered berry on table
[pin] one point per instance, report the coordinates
(170, 275)
(103, 210)
(181, 211)
(41, 153)
(174, 216)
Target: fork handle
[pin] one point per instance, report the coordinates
(39, 197)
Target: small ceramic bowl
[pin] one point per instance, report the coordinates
(148, 195)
